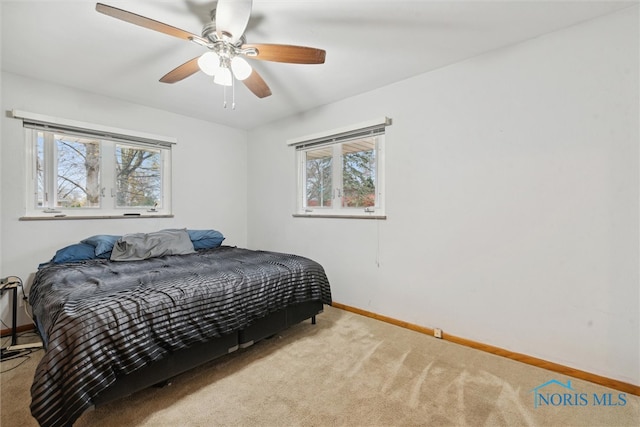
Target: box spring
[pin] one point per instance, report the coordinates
(188, 358)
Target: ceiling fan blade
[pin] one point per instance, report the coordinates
(182, 72)
(257, 85)
(146, 22)
(287, 53)
(232, 17)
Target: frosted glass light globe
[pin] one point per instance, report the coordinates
(241, 68)
(209, 63)
(223, 77)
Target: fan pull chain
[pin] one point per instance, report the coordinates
(224, 91)
(233, 92)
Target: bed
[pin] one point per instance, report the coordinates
(113, 327)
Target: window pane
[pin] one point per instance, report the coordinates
(138, 176)
(359, 173)
(319, 186)
(40, 182)
(78, 165)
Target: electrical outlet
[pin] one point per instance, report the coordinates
(437, 332)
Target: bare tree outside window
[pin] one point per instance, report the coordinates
(40, 172)
(138, 176)
(78, 173)
(77, 161)
(319, 183)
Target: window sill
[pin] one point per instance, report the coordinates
(66, 217)
(312, 215)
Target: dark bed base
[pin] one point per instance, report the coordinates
(183, 360)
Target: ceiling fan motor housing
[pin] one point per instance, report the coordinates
(209, 32)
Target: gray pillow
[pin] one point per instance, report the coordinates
(139, 246)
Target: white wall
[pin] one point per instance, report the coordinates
(512, 199)
(209, 175)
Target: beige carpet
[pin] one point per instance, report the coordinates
(347, 370)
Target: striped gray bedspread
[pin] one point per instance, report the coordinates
(103, 319)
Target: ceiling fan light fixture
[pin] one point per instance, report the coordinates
(241, 68)
(225, 40)
(223, 77)
(209, 63)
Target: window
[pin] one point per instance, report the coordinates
(342, 174)
(81, 172)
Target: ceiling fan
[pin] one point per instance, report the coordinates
(226, 46)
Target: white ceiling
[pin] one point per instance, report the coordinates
(369, 44)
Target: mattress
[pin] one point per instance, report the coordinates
(102, 319)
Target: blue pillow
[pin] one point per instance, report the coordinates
(104, 255)
(74, 253)
(103, 243)
(205, 239)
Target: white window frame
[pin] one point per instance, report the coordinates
(335, 139)
(109, 137)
